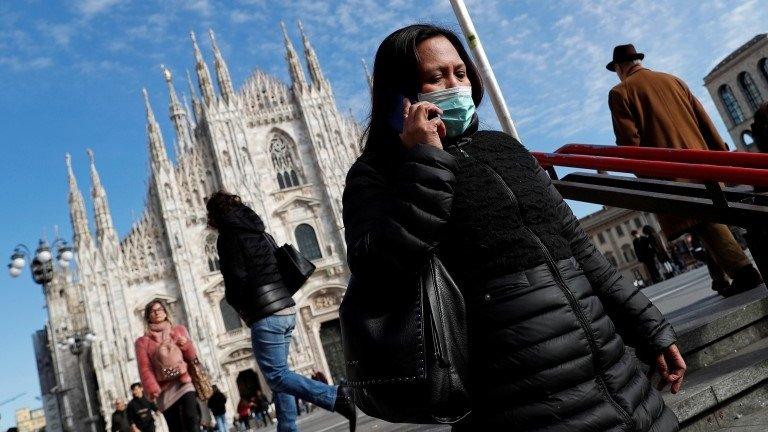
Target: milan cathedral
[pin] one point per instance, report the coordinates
(285, 150)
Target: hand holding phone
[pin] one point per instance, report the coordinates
(422, 124)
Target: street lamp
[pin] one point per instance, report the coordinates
(77, 343)
(42, 266)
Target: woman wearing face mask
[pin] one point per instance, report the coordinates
(163, 355)
(548, 316)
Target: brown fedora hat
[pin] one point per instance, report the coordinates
(624, 53)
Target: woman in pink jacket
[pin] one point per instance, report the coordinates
(163, 353)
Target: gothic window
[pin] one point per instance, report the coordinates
(629, 254)
(731, 105)
(307, 240)
(619, 230)
(763, 66)
(601, 238)
(751, 93)
(229, 316)
(283, 155)
(211, 254)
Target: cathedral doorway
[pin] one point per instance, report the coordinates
(330, 337)
(247, 384)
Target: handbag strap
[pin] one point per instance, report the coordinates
(271, 241)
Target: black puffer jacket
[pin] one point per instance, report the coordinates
(252, 282)
(549, 316)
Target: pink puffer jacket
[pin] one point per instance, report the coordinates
(146, 346)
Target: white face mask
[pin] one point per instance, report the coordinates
(457, 105)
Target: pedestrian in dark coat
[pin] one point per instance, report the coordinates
(217, 403)
(120, 422)
(654, 109)
(548, 315)
(646, 254)
(254, 287)
(140, 410)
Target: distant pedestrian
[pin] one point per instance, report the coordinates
(218, 405)
(654, 109)
(141, 412)
(244, 408)
(646, 254)
(659, 247)
(254, 288)
(120, 422)
(163, 353)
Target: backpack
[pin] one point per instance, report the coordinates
(168, 361)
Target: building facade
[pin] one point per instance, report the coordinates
(738, 85)
(610, 230)
(285, 149)
(28, 420)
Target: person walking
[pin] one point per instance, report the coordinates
(218, 406)
(120, 421)
(548, 315)
(646, 254)
(254, 288)
(140, 410)
(244, 408)
(163, 353)
(655, 109)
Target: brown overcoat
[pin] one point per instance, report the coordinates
(655, 109)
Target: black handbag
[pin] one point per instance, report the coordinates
(406, 348)
(294, 268)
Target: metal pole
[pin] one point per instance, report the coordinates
(492, 86)
(90, 418)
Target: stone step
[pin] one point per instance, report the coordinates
(723, 332)
(725, 390)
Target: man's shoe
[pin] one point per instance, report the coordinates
(745, 279)
(345, 405)
(721, 287)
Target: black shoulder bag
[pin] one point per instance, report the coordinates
(294, 268)
(406, 348)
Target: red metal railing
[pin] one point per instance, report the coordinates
(698, 165)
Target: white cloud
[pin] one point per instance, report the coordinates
(93, 7)
(21, 65)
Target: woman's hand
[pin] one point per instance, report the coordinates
(181, 341)
(418, 128)
(671, 368)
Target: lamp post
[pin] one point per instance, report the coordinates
(43, 269)
(77, 343)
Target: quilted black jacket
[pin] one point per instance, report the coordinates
(252, 282)
(549, 317)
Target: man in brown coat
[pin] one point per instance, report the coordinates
(654, 109)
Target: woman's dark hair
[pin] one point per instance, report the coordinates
(148, 310)
(396, 75)
(219, 205)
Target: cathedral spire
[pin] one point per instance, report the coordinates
(197, 110)
(178, 115)
(294, 67)
(157, 154)
(203, 76)
(222, 72)
(315, 72)
(77, 214)
(368, 78)
(105, 229)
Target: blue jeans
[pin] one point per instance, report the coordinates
(271, 339)
(221, 423)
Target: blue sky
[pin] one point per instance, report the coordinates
(71, 74)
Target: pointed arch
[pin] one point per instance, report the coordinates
(211, 253)
(285, 161)
(750, 91)
(307, 241)
(731, 104)
(762, 65)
